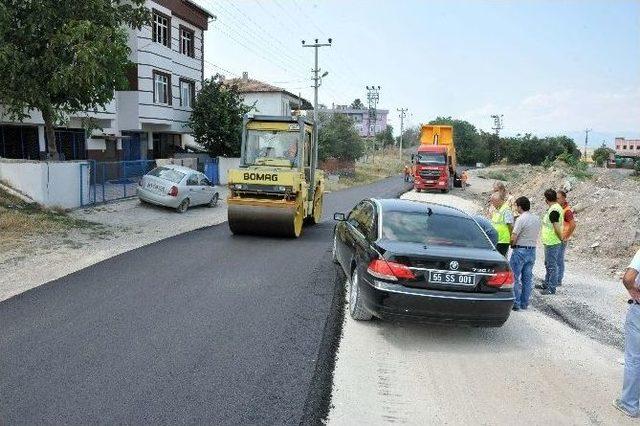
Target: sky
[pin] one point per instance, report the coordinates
(549, 67)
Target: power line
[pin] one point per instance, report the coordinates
(257, 39)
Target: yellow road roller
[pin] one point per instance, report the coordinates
(278, 186)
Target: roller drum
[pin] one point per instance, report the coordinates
(277, 221)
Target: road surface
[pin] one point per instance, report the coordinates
(204, 327)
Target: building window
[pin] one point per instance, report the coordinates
(161, 28)
(186, 41)
(161, 88)
(624, 147)
(187, 93)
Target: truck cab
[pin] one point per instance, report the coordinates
(435, 161)
(432, 169)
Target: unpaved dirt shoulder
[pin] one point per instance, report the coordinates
(121, 226)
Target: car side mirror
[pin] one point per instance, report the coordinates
(339, 217)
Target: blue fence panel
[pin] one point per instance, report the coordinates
(113, 180)
(211, 171)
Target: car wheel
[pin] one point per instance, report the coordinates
(334, 252)
(214, 200)
(184, 205)
(418, 190)
(356, 308)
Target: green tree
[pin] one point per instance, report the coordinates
(216, 119)
(385, 138)
(338, 138)
(410, 137)
(64, 57)
(602, 154)
(357, 104)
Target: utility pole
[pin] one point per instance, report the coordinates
(317, 81)
(402, 115)
(373, 96)
(586, 140)
(497, 123)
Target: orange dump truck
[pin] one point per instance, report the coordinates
(435, 162)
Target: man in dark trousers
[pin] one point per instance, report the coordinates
(551, 236)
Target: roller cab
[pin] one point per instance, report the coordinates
(277, 188)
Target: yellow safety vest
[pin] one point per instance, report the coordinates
(500, 225)
(549, 237)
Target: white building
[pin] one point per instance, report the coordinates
(150, 119)
(268, 99)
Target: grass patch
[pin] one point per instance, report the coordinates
(385, 164)
(20, 221)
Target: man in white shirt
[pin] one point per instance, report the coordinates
(629, 400)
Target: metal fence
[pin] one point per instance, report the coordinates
(111, 180)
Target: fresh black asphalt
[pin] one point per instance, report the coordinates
(205, 327)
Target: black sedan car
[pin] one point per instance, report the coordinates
(424, 262)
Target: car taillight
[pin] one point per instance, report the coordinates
(387, 270)
(173, 191)
(502, 279)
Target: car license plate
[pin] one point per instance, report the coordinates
(430, 181)
(451, 278)
(155, 188)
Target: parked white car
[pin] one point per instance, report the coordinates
(177, 187)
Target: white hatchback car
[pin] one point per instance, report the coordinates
(177, 187)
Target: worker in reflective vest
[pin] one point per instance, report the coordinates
(568, 226)
(502, 220)
(552, 223)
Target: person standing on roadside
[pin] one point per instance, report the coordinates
(552, 240)
(464, 178)
(407, 172)
(629, 399)
(508, 197)
(569, 225)
(523, 253)
(502, 220)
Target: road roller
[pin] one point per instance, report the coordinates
(278, 186)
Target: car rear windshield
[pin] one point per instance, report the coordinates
(167, 174)
(436, 230)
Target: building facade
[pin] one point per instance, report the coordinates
(147, 121)
(627, 147)
(267, 99)
(363, 121)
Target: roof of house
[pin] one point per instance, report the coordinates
(249, 85)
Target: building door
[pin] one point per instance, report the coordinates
(131, 147)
